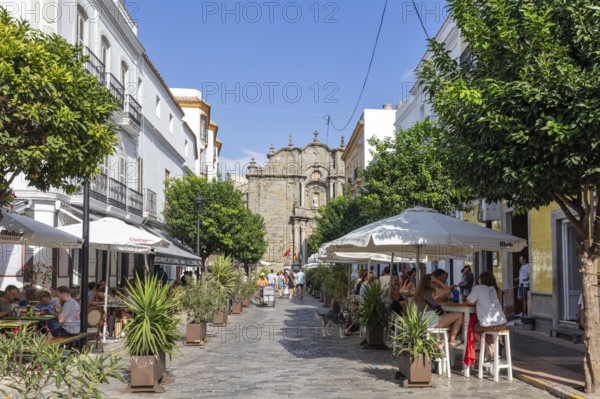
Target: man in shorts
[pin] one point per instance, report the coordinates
(300, 282)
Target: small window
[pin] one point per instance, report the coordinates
(158, 107)
(203, 129)
(186, 149)
(171, 123)
(105, 53)
(124, 74)
(80, 33)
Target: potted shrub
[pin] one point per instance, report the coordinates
(151, 332)
(199, 307)
(372, 314)
(238, 294)
(415, 348)
(337, 287)
(221, 282)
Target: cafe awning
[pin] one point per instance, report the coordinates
(174, 255)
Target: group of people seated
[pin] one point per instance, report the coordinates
(433, 290)
(62, 305)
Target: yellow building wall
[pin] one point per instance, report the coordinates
(540, 252)
(471, 217)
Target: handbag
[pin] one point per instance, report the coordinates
(436, 308)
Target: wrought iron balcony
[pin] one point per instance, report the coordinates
(94, 65)
(133, 111)
(135, 202)
(150, 205)
(98, 187)
(116, 88)
(117, 194)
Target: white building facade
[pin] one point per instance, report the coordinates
(372, 123)
(154, 142)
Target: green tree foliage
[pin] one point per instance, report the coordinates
(53, 114)
(250, 238)
(407, 171)
(521, 117)
(340, 216)
(226, 226)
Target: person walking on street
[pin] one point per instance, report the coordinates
(524, 278)
(271, 278)
(280, 283)
(291, 284)
(300, 283)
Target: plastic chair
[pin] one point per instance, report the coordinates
(496, 365)
(95, 321)
(444, 361)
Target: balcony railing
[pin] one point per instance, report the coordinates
(150, 206)
(94, 65)
(98, 187)
(133, 110)
(135, 202)
(117, 194)
(116, 88)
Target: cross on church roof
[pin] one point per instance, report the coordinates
(316, 139)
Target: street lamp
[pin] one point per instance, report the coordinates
(198, 201)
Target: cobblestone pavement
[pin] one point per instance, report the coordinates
(279, 353)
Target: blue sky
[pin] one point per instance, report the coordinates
(274, 68)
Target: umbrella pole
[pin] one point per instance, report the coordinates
(106, 277)
(419, 271)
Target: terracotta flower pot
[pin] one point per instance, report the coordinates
(415, 370)
(220, 317)
(146, 374)
(245, 303)
(195, 332)
(236, 308)
(327, 301)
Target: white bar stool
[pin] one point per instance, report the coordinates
(496, 365)
(444, 361)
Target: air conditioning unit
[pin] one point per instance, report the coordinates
(489, 211)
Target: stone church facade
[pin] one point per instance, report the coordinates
(288, 190)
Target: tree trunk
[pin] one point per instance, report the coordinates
(589, 274)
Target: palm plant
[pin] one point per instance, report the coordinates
(222, 275)
(153, 325)
(412, 336)
(372, 311)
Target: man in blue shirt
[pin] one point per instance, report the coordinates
(300, 282)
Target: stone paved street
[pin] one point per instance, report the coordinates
(278, 353)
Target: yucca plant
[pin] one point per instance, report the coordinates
(152, 327)
(372, 311)
(221, 274)
(412, 336)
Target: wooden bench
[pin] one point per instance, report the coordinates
(576, 334)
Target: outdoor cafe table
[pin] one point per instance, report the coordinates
(31, 319)
(466, 309)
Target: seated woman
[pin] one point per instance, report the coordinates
(97, 298)
(396, 300)
(46, 307)
(352, 324)
(30, 296)
(429, 290)
(486, 297)
(406, 284)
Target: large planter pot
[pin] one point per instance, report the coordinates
(220, 317)
(415, 370)
(327, 301)
(146, 374)
(195, 333)
(245, 303)
(374, 335)
(236, 308)
(321, 297)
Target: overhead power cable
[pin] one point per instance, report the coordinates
(362, 90)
